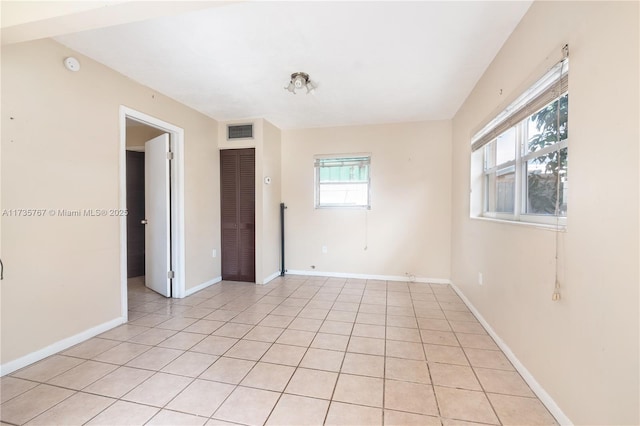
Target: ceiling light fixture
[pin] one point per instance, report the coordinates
(300, 80)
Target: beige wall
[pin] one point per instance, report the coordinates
(258, 141)
(583, 350)
(137, 135)
(407, 230)
(60, 146)
(271, 198)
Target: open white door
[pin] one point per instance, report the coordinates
(157, 210)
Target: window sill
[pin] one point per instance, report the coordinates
(543, 226)
(343, 207)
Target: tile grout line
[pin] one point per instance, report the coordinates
(115, 400)
(335, 386)
(299, 362)
(326, 414)
(470, 365)
(384, 368)
(240, 338)
(236, 295)
(237, 385)
(154, 371)
(193, 379)
(424, 351)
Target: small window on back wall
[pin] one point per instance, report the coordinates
(342, 181)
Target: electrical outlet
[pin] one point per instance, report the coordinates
(480, 279)
(324, 250)
(214, 253)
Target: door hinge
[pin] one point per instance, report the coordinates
(171, 275)
(169, 155)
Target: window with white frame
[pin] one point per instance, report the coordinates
(342, 181)
(524, 154)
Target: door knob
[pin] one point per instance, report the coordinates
(144, 221)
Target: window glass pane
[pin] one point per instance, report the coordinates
(542, 184)
(487, 194)
(355, 173)
(344, 194)
(543, 129)
(506, 146)
(505, 190)
(342, 161)
(489, 155)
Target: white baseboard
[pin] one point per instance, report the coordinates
(271, 277)
(536, 387)
(58, 346)
(371, 277)
(202, 286)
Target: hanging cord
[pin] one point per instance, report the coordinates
(556, 291)
(366, 230)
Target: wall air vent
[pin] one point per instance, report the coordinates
(239, 131)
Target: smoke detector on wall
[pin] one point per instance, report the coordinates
(72, 64)
(300, 80)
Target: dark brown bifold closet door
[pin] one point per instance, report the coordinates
(237, 199)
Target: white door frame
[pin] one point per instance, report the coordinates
(177, 200)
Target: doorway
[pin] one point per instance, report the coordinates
(149, 206)
(135, 212)
(151, 169)
(237, 206)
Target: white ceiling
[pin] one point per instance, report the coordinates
(372, 61)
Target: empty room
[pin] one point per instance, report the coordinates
(320, 213)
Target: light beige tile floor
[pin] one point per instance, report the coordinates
(297, 351)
